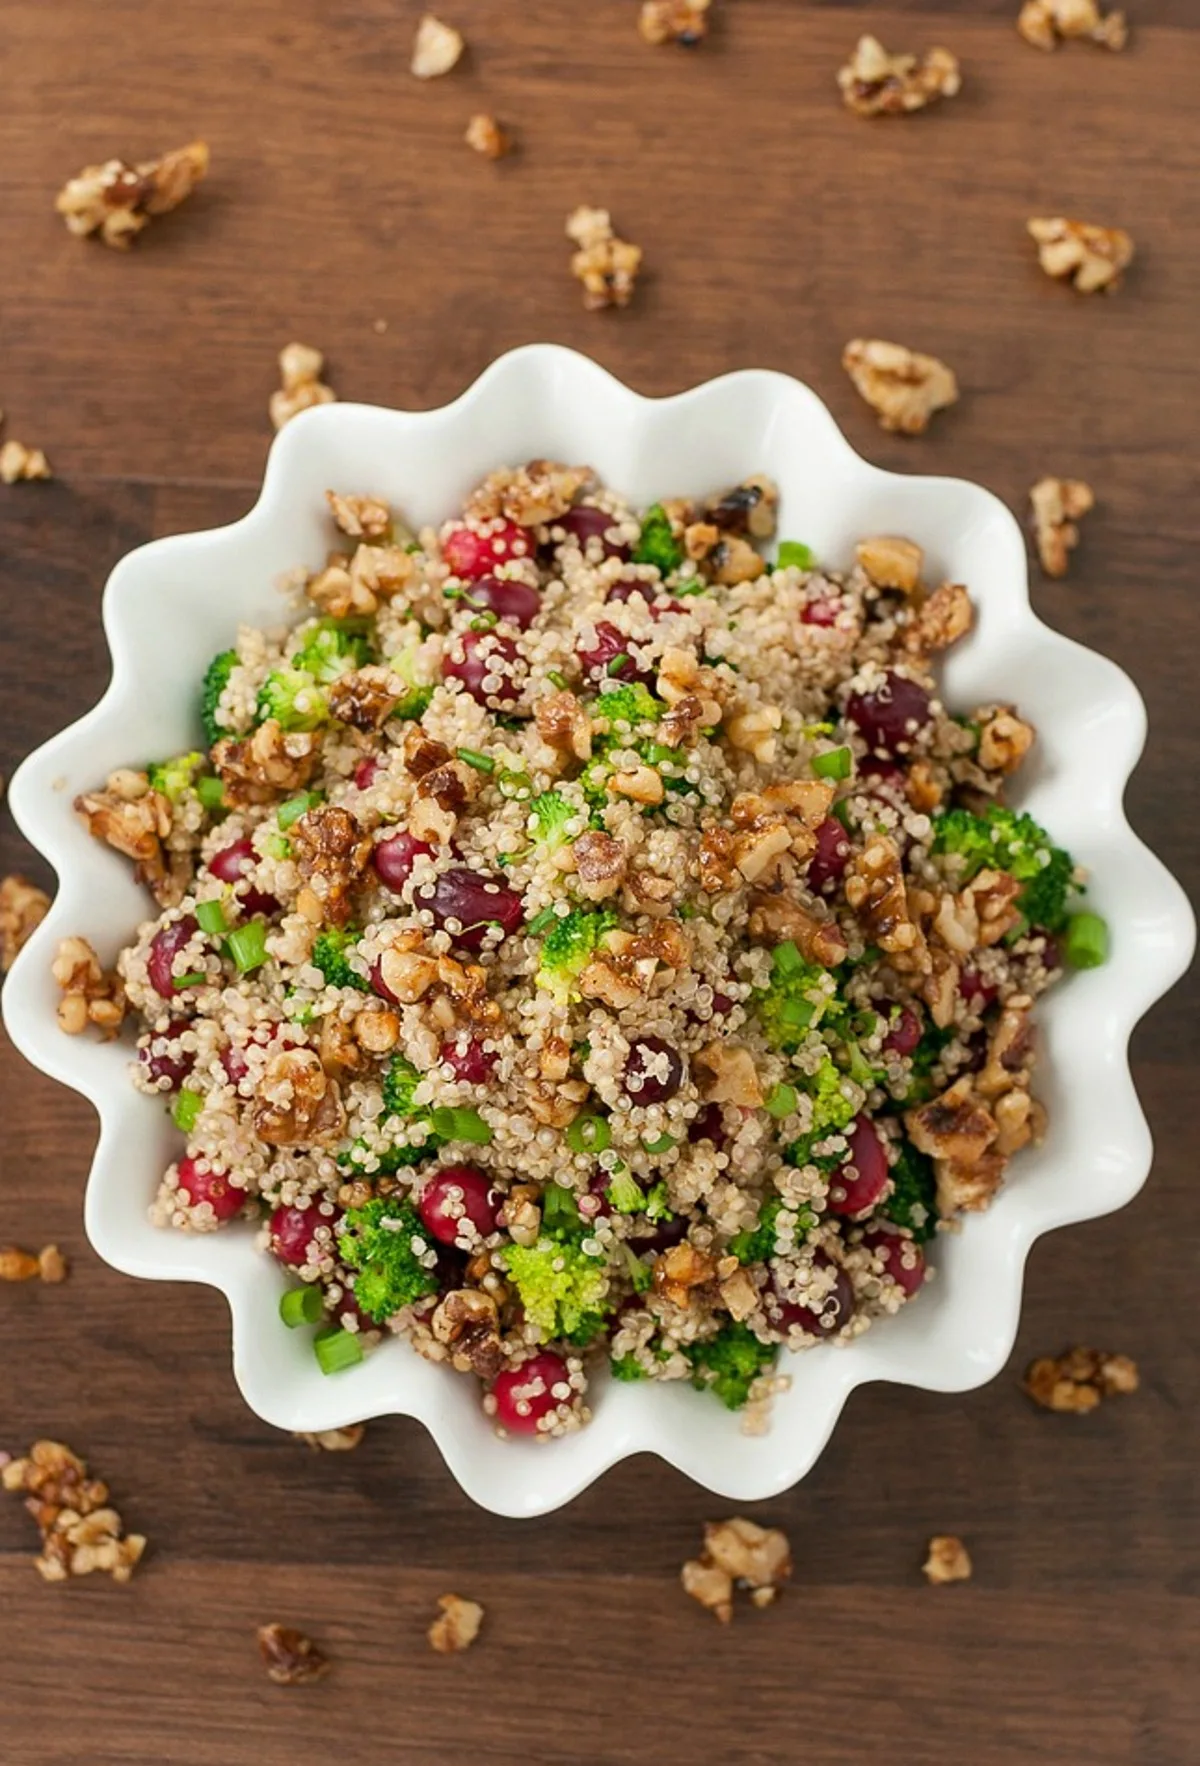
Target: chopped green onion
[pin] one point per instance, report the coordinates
(247, 945)
(210, 916)
(662, 1144)
(842, 813)
(618, 663)
(588, 1134)
(295, 807)
(483, 763)
(185, 1111)
(795, 552)
(781, 1101)
(835, 763)
(458, 1122)
(542, 922)
(560, 1212)
(786, 959)
(1086, 943)
(337, 1349)
(301, 1306)
(556, 677)
(211, 791)
(193, 978)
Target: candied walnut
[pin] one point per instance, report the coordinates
(484, 135)
(808, 800)
(641, 784)
(296, 1103)
(23, 907)
(923, 788)
(902, 386)
(779, 918)
(650, 893)
(707, 1583)
(377, 1029)
(1010, 1050)
(1004, 740)
(1091, 258)
(1046, 23)
(421, 753)
(875, 890)
(333, 591)
(137, 827)
(753, 732)
(993, 896)
(117, 200)
(520, 1215)
(874, 83)
(600, 862)
(734, 560)
(948, 1560)
(673, 21)
(1057, 505)
(755, 1557)
(956, 1125)
(366, 697)
(751, 507)
(19, 463)
(1019, 1120)
(436, 48)
(362, 518)
(605, 264)
(967, 1185)
(467, 987)
(290, 1657)
(467, 1322)
(379, 573)
(90, 996)
(531, 495)
(757, 850)
(941, 620)
(332, 851)
(452, 786)
(940, 988)
(556, 1106)
(717, 859)
(343, 1440)
(300, 368)
(891, 562)
(699, 539)
(338, 1048)
(554, 1058)
(682, 679)
(603, 980)
(680, 1270)
(407, 974)
(563, 723)
(733, 1076)
(739, 1295)
(457, 1627)
(17, 1265)
(264, 765)
(80, 1532)
(1079, 1379)
(684, 721)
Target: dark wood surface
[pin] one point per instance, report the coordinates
(775, 227)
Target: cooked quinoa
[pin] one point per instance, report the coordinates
(583, 941)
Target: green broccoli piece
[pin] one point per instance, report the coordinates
(657, 544)
(757, 1244)
(1012, 842)
(624, 1194)
(399, 1083)
(332, 647)
(586, 1331)
(631, 704)
(329, 956)
(728, 1364)
(627, 1367)
(831, 1112)
(559, 1284)
(793, 999)
(293, 699)
(415, 702)
(568, 948)
(216, 679)
(550, 813)
(376, 1240)
(391, 1160)
(657, 1205)
(177, 776)
(913, 1200)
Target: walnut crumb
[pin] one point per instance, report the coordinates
(1089, 257)
(674, 21)
(605, 264)
(334, 1440)
(17, 1265)
(902, 386)
(436, 48)
(737, 1553)
(23, 907)
(487, 137)
(52, 1265)
(1058, 504)
(875, 83)
(290, 1657)
(948, 1560)
(22, 465)
(1077, 1380)
(89, 995)
(457, 1626)
(81, 1531)
(1047, 23)
(300, 368)
(117, 200)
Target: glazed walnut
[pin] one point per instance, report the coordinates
(1079, 1380)
(289, 1656)
(90, 995)
(903, 387)
(23, 907)
(1057, 505)
(366, 697)
(1091, 258)
(563, 723)
(673, 21)
(874, 83)
(296, 1103)
(135, 820)
(117, 200)
(332, 851)
(264, 765)
(1047, 23)
(875, 890)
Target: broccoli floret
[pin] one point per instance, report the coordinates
(568, 948)
(399, 1083)
(831, 1112)
(627, 1367)
(332, 647)
(728, 1364)
(391, 1160)
(631, 704)
(415, 702)
(586, 1331)
(561, 1218)
(293, 698)
(624, 1194)
(550, 814)
(912, 1202)
(174, 777)
(559, 1284)
(657, 1205)
(657, 544)
(1012, 842)
(793, 999)
(329, 956)
(216, 679)
(376, 1240)
(757, 1244)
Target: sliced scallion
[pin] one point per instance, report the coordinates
(1086, 942)
(781, 1101)
(336, 1350)
(835, 763)
(295, 807)
(588, 1134)
(247, 946)
(210, 916)
(301, 1306)
(483, 763)
(185, 1111)
(211, 791)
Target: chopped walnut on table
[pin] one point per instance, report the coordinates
(22, 465)
(457, 1625)
(81, 1532)
(90, 996)
(48, 1266)
(674, 21)
(436, 48)
(1047, 23)
(117, 200)
(1091, 258)
(23, 907)
(343, 1440)
(485, 135)
(902, 386)
(737, 1553)
(300, 368)
(1078, 1380)
(875, 83)
(605, 264)
(290, 1656)
(1057, 505)
(948, 1560)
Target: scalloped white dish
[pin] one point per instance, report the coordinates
(170, 605)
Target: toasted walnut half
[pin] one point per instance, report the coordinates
(531, 495)
(779, 918)
(296, 1103)
(673, 21)
(941, 620)
(600, 863)
(1079, 1379)
(728, 1075)
(265, 764)
(23, 907)
(737, 1552)
(605, 264)
(563, 723)
(891, 562)
(956, 1125)
(458, 1625)
(117, 200)
(436, 48)
(1058, 504)
(290, 1656)
(1046, 23)
(948, 1560)
(361, 518)
(135, 821)
(1091, 258)
(680, 1270)
(875, 83)
(466, 1321)
(902, 386)
(332, 851)
(1004, 739)
(366, 697)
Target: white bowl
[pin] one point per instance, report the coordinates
(171, 605)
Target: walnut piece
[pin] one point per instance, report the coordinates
(366, 697)
(605, 264)
(751, 507)
(780, 918)
(259, 767)
(1046, 23)
(875, 890)
(941, 620)
(20, 464)
(485, 135)
(674, 21)
(436, 48)
(948, 1560)
(467, 1322)
(891, 562)
(1091, 258)
(710, 1586)
(23, 907)
(290, 1657)
(457, 1626)
(563, 723)
(1004, 739)
(17, 1265)
(533, 494)
(641, 784)
(117, 200)
(1057, 505)
(875, 83)
(737, 1552)
(732, 1075)
(296, 1103)
(681, 1269)
(53, 1267)
(600, 862)
(343, 1440)
(90, 996)
(135, 821)
(300, 368)
(1079, 1379)
(81, 1532)
(902, 386)
(360, 518)
(332, 851)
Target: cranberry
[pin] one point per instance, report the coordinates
(349, 1313)
(473, 900)
(234, 1061)
(513, 601)
(722, 1005)
(471, 554)
(835, 1310)
(210, 1185)
(158, 1063)
(820, 610)
(645, 1087)
(891, 715)
(709, 1125)
(596, 1201)
(609, 644)
(975, 990)
(884, 775)
(292, 1232)
(902, 1259)
(585, 522)
(455, 1193)
(380, 985)
(164, 947)
(525, 1394)
(472, 1063)
(367, 771)
(1051, 950)
(231, 865)
(629, 586)
(396, 854)
(485, 656)
(830, 857)
(905, 1033)
(854, 1195)
(662, 1235)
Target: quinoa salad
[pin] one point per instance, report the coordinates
(584, 944)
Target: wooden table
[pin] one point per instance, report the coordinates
(344, 209)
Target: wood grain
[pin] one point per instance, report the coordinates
(775, 227)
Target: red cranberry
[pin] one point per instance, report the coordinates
(380, 985)
(585, 522)
(234, 1061)
(630, 586)
(454, 1193)
(474, 901)
(486, 656)
(644, 1086)
(820, 610)
(609, 645)
(513, 601)
(902, 1259)
(891, 715)
(524, 1395)
(1051, 950)
(472, 1063)
(596, 1202)
(709, 1125)
(471, 554)
(158, 1063)
(662, 1235)
(349, 1314)
(854, 1195)
(975, 990)
(883, 775)
(231, 865)
(210, 1185)
(396, 854)
(722, 1005)
(367, 771)
(835, 1310)
(164, 947)
(292, 1232)
(830, 856)
(905, 1033)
